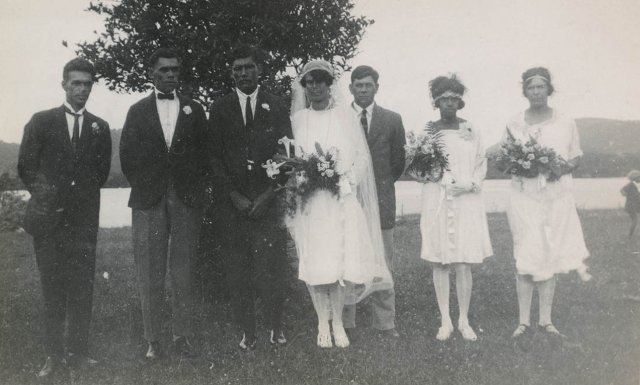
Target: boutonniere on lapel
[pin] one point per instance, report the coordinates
(95, 128)
(187, 110)
(265, 106)
(466, 132)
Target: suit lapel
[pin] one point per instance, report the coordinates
(151, 111)
(179, 128)
(374, 125)
(258, 116)
(62, 128)
(236, 111)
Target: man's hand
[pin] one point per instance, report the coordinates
(261, 204)
(240, 202)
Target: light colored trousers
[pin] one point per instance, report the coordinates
(383, 302)
(171, 227)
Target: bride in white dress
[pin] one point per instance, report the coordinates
(338, 239)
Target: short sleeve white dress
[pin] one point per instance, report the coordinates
(454, 228)
(546, 230)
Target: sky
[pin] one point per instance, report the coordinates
(592, 48)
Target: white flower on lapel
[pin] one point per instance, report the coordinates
(187, 110)
(265, 106)
(95, 127)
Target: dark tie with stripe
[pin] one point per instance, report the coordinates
(76, 128)
(363, 122)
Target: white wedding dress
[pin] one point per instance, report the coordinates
(339, 239)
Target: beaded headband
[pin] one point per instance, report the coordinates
(447, 94)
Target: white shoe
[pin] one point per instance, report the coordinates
(444, 333)
(467, 332)
(324, 340)
(340, 336)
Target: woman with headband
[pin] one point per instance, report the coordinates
(453, 221)
(338, 238)
(546, 230)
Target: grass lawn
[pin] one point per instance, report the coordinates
(601, 319)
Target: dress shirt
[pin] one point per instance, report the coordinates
(168, 111)
(358, 111)
(243, 102)
(71, 119)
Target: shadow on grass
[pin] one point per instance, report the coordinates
(600, 319)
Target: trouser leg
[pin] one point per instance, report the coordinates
(81, 270)
(383, 302)
(51, 266)
(150, 240)
(184, 227)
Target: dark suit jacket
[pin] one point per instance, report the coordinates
(386, 141)
(232, 144)
(150, 166)
(62, 183)
(632, 204)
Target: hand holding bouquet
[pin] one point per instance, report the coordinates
(529, 160)
(426, 157)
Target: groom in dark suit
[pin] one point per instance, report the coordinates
(385, 136)
(64, 159)
(245, 127)
(163, 155)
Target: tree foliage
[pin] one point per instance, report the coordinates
(205, 31)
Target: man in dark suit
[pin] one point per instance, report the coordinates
(386, 139)
(245, 127)
(64, 159)
(163, 156)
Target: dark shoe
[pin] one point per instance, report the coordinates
(81, 361)
(554, 337)
(391, 333)
(52, 368)
(154, 352)
(523, 337)
(248, 343)
(277, 338)
(184, 348)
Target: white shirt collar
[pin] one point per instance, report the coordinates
(243, 96)
(359, 109)
(80, 111)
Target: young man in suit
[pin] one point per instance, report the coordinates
(64, 160)
(385, 136)
(245, 127)
(163, 156)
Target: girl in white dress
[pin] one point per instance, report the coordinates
(453, 223)
(338, 239)
(546, 230)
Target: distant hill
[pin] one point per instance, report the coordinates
(609, 136)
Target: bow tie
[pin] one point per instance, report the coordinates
(162, 96)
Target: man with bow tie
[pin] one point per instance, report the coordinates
(245, 127)
(64, 160)
(162, 153)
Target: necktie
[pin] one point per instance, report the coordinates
(76, 128)
(248, 113)
(162, 96)
(363, 122)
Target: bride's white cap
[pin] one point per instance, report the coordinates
(321, 65)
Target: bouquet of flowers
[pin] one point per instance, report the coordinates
(310, 172)
(528, 160)
(426, 157)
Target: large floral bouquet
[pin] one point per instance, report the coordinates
(529, 159)
(426, 157)
(310, 172)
